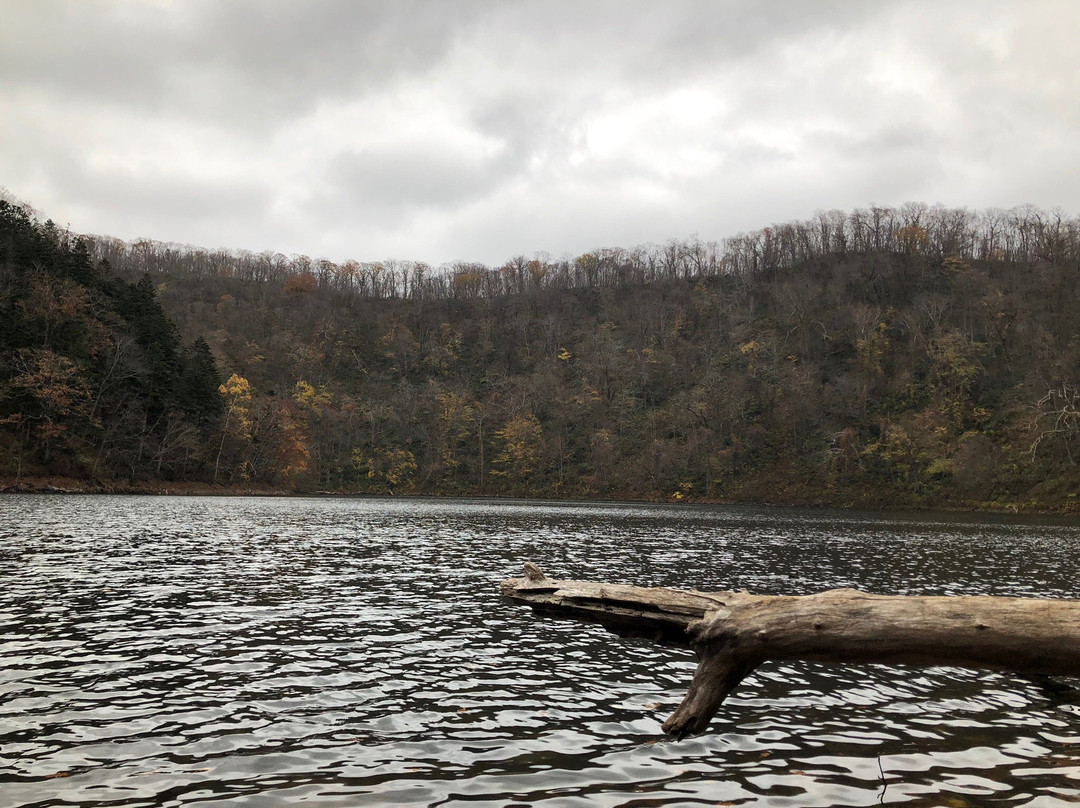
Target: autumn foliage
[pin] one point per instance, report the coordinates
(903, 357)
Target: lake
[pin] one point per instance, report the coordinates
(350, 652)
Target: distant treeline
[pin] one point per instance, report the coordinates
(918, 356)
(1024, 234)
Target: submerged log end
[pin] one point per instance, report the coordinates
(718, 673)
(521, 589)
(533, 573)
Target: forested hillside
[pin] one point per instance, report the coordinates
(888, 357)
(94, 379)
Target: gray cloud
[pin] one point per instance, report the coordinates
(235, 61)
(396, 178)
(460, 129)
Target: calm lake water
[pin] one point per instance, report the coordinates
(331, 652)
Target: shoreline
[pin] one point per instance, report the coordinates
(71, 486)
(67, 486)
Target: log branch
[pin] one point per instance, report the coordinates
(734, 632)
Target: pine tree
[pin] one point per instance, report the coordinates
(198, 391)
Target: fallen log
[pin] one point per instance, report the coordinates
(734, 632)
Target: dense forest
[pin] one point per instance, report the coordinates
(913, 357)
(95, 380)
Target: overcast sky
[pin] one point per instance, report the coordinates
(445, 130)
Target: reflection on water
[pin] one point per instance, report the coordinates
(258, 652)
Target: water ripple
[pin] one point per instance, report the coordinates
(255, 652)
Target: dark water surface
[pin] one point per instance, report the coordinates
(262, 652)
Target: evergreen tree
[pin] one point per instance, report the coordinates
(198, 391)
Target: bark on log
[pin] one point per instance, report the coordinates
(734, 632)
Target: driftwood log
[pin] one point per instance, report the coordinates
(734, 632)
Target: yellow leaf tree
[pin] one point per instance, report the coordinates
(236, 426)
(395, 468)
(523, 441)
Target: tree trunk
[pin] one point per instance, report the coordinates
(734, 632)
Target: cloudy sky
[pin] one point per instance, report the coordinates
(440, 130)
